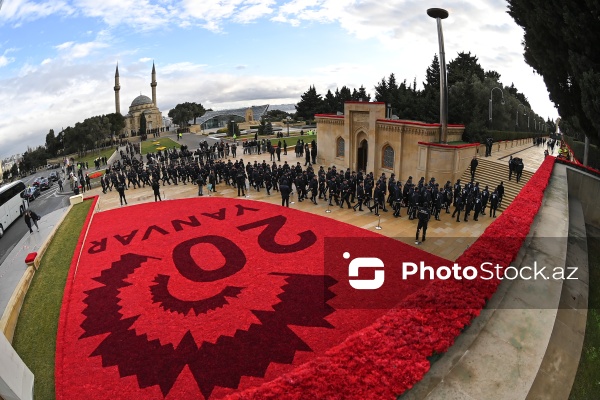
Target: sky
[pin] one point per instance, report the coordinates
(58, 57)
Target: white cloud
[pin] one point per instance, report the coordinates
(19, 11)
(144, 59)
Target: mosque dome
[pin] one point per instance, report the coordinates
(140, 100)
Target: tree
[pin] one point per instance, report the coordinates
(560, 44)
(361, 93)
(14, 170)
(492, 75)
(342, 96)
(268, 128)
(463, 67)
(330, 103)
(310, 104)
(233, 128)
(116, 122)
(51, 143)
(142, 125)
(430, 97)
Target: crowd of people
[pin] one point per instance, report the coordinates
(212, 165)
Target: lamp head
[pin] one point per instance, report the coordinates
(437, 13)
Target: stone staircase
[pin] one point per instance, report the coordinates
(491, 173)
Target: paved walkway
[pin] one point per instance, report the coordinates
(13, 268)
(446, 238)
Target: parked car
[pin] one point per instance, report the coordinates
(53, 176)
(37, 182)
(45, 183)
(30, 193)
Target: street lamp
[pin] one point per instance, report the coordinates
(517, 122)
(439, 14)
(491, 102)
(288, 118)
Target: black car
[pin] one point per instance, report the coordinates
(45, 183)
(31, 193)
(53, 176)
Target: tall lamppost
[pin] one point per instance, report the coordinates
(517, 122)
(439, 14)
(288, 125)
(491, 102)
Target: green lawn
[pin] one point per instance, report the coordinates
(35, 336)
(587, 380)
(292, 140)
(148, 146)
(91, 156)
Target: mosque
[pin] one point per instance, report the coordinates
(140, 105)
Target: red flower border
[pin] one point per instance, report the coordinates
(389, 357)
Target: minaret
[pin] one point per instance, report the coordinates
(153, 85)
(117, 88)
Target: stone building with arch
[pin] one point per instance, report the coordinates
(364, 139)
(140, 105)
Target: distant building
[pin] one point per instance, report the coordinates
(140, 105)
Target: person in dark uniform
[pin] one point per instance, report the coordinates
(200, 182)
(500, 190)
(121, 190)
(397, 199)
(314, 188)
(423, 215)
(156, 189)
(494, 201)
(458, 204)
(468, 204)
(240, 181)
(478, 207)
(519, 169)
(511, 167)
(345, 194)
(376, 199)
(474, 164)
(360, 196)
(438, 204)
(284, 189)
(31, 216)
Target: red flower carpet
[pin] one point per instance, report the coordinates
(214, 298)
(201, 298)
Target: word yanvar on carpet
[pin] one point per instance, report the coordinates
(206, 298)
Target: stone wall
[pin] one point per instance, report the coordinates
(363, 121)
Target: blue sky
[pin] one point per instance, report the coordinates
(58, 57)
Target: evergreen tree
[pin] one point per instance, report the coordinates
(310, 104)
(463, 67)
(330, 103)
(560, 44)
(142, 125)
(268, 128)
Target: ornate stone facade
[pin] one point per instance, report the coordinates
(363, 139)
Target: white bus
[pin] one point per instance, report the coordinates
(11, 204)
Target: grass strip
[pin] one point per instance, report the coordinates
(587, 381)
(149, 146)
(35, 335)
(91, 156)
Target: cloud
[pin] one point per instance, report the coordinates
(145, 59)
(20, 11)
(5, 60)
